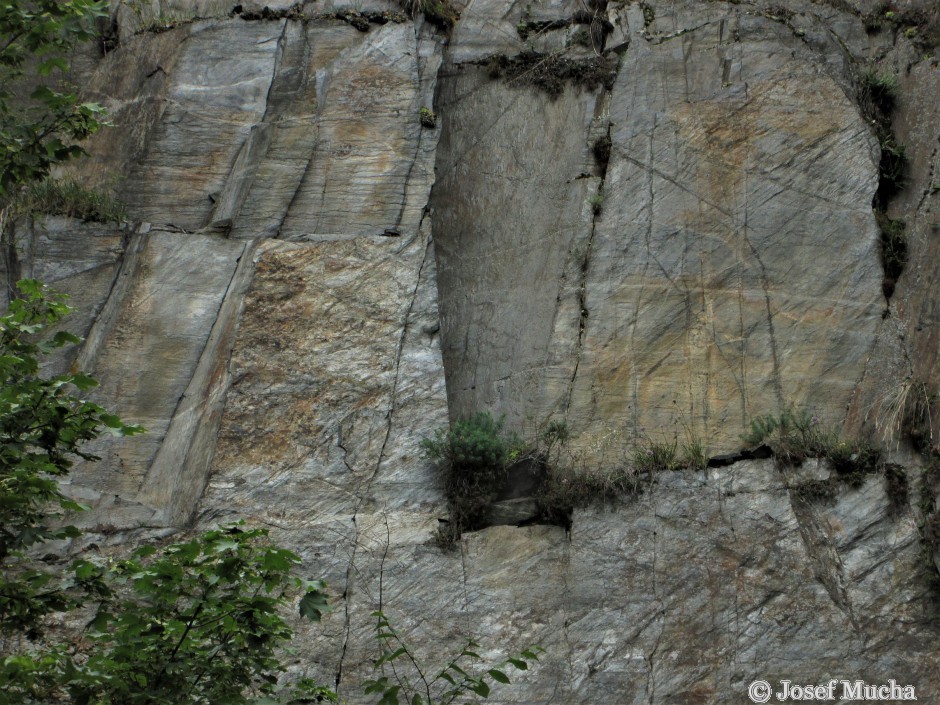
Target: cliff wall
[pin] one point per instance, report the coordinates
(648, 220)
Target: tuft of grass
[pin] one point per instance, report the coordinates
(694, 456)
(554, 435)
(565, 489)
(581, 37)
(792, 436)
(912, 413)
(67, 197)
(597, 203)
(650, 457)
(882, 87)
(921, 409)
(797, 435)
(893, 249)
(891, 168)
(567, 486)
(551, 72)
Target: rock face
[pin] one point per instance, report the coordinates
(676, 298)
(647, 220)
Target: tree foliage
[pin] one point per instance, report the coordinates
(41, 117)
(43, 426)
(198, 622)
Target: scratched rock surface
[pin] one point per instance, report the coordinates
(311, 282)
(686, 593)
(309, 131)
(736, 151)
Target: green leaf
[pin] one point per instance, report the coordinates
(224, 545)
(109, 420)
(84, 382)
(73, 506)
(145, 551)
(46, 67)
(481, 689)
(85, 570)
(390, 697)
(313, 605)
(391, 656)
(498, 675)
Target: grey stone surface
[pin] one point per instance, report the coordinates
(677, 303)
(291, 297)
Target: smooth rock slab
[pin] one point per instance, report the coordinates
(735, 269)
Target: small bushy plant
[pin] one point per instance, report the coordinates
(427, 117)
(473, 456)
(794, 436)
(597, 203)
(853, 460)
(601, 148)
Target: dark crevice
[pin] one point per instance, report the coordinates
(12, 266)
(877, 97)
(601, 149)
(594, 17)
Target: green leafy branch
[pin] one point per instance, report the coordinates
(40, 121)
(453, 681)
(43, 427)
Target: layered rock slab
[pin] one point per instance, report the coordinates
(312, 127)
(336, 377)
(512, 223)
(310, 130)
(705, 584)
(733, 157)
